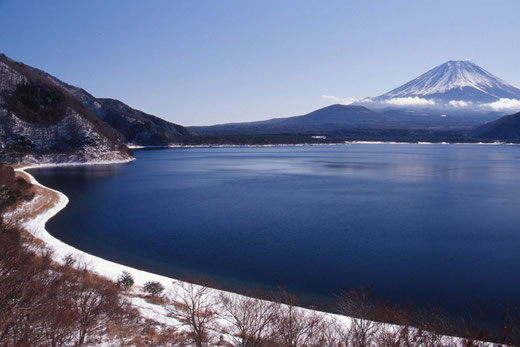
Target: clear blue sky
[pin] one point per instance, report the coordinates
(207, 62)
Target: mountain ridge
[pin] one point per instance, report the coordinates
(42, 122)
(506, 128)
(132, 126)
(325, 119)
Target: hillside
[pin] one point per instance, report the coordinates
(326, 119)
(133, 126)
(41, 122)
(506, 128)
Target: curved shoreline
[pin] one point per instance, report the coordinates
(111, 270)
(36, 226)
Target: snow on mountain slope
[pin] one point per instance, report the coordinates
(133, 126)
(453, 84)
(41, 122)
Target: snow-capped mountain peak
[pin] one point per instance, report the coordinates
(460, 80)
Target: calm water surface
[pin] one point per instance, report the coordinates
(428, 223)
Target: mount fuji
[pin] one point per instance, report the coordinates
(455, 96)
(455, 84)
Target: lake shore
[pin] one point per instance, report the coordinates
(173, 146)
(48, 202)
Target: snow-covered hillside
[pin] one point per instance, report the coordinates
(41, 122)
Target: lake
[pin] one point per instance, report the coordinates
(436, 224)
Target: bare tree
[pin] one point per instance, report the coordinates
(359, 305)
(97, 301)
(25, 282)
(294, 326)
(331, 333)
(429, 322)
(249, 319)
(196, 308)
(124, 326)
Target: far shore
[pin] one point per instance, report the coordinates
(173, 146)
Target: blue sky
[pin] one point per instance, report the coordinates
(208, 62)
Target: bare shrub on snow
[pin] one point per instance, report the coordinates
(196, 308)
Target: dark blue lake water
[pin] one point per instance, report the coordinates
(425, 223)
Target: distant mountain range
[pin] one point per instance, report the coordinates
(342, 117)
(457, 95)
(326, 119)
(43, 119)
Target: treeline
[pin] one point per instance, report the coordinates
(337, 136)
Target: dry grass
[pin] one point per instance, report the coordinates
(44, 199)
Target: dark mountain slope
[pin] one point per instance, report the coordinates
(41, 122)
(134, 126)
(337, 115)
(326, 119)
(506, 128)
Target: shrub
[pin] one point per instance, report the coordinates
(69, 260)
(153, 288)
(125, 281)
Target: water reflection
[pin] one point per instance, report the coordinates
(81, 172)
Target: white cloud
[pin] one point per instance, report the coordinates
(344, 101)
(504, 104)
(459, 103)
(409, 101)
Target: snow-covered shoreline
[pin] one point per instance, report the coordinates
(36, 226)
(100, 266)
(111, 270)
